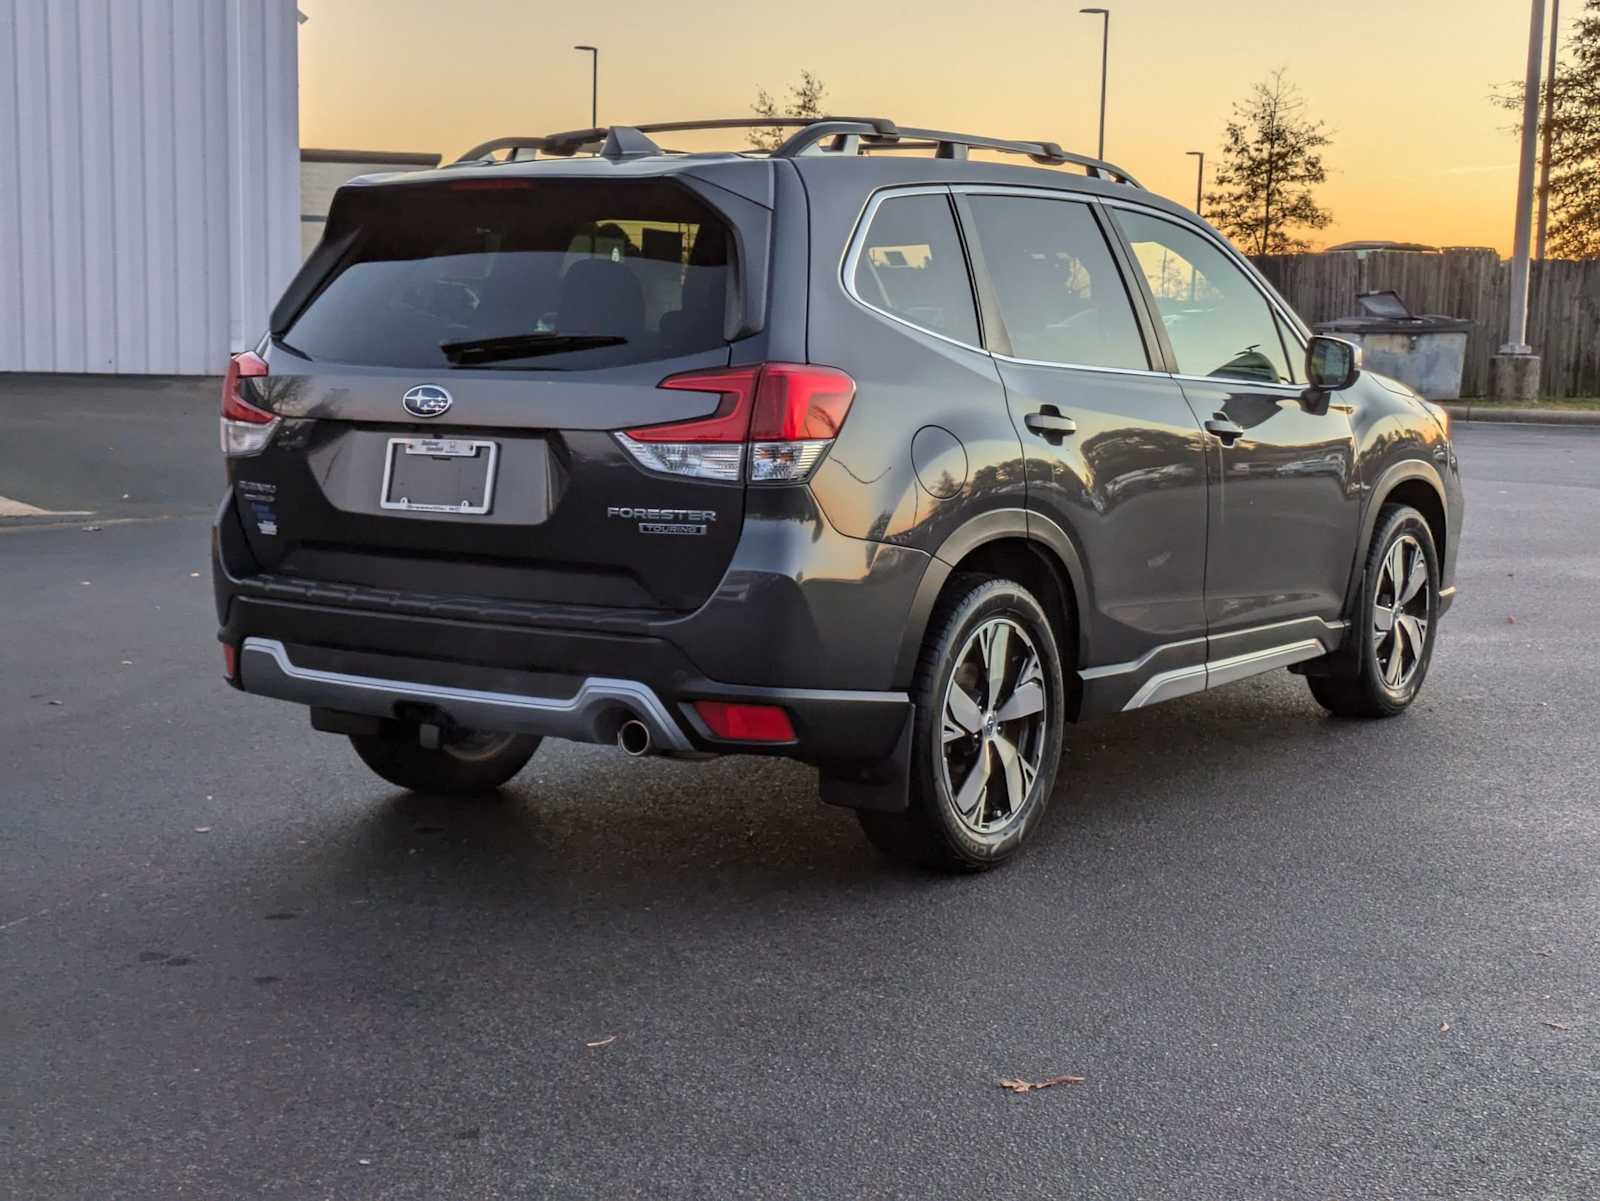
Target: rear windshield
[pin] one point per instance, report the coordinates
(513, 273)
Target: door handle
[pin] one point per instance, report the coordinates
(1227, 431)
(1049, 423)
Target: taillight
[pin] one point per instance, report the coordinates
(246, 429)
(782, 417)
(798, 414)
(746, 723)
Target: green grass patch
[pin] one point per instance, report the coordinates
(1566, 402)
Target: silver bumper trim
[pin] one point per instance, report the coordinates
(591, 716)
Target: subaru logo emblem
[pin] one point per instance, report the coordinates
(426, 400)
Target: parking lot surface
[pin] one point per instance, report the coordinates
(1291, 957)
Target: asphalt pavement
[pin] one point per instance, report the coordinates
(1291, 957)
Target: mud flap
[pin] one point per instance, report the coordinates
(883, 786)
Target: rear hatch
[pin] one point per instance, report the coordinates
(450, 372)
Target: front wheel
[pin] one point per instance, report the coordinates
(1390, 646)
(464, 762)
(989, 700)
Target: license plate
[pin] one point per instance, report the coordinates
(439, 475)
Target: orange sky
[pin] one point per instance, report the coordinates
(1420, 152)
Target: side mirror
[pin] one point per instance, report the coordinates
(1332, 364)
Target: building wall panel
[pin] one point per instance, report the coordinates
(151, 215)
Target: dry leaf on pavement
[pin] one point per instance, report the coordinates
(1027, 1086)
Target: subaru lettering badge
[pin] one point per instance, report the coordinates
(426, 400)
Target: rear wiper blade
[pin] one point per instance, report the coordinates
(522, 346)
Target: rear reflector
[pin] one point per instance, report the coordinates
(246, 429)
(786, 414)
(230, 661)
(746, 723)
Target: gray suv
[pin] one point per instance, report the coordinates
(864, 452)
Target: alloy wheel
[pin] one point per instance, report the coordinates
(1400, 611)
(994, 725)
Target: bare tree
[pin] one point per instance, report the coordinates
(805, 100)
(1271, 160)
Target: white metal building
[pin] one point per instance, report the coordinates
(149, 181)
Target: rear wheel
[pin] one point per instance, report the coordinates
(988, 731)
(465, 761)
(1390, 646)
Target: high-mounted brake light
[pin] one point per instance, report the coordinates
(491, 185)
(246, 429)
(782, 417)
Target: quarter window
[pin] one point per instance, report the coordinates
(910, 264)
(1218, 322)
(1060, 294)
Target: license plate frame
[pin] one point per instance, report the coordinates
(437, 448)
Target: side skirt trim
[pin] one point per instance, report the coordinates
(1213, 674)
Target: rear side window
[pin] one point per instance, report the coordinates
(559, 274)
(910, 264)
(1060, 293)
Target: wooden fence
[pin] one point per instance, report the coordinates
(1563, 322)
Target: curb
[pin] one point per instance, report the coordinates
(1472, 412)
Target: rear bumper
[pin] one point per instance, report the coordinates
(594, 713)
(830, 727)
(806, 619)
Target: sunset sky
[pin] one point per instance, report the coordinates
(1420, 151)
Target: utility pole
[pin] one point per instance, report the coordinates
(1549, 126)
(1105, 63)
(594, 86)
(1514, 372)
(1199, 179)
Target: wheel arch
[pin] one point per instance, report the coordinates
(1413, 482)
(1015, 543)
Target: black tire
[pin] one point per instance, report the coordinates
(1362, 680)
(934, 832)
(466, 762)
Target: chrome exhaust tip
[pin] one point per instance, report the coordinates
(634, 737)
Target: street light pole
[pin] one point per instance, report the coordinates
(1517, 330)
(594, 86)
(1549, 127)
(1105, 62)
(1514, 372)
(1199, 178)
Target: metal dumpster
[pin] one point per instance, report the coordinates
(1429, 353)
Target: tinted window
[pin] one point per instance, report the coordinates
(911, 265)
(1218, 322)
(1060, 294)
(639, 269)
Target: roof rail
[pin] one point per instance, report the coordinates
(944, 144)
(821, 135)
(569, 142)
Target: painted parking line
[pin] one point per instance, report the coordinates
(16, 508)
